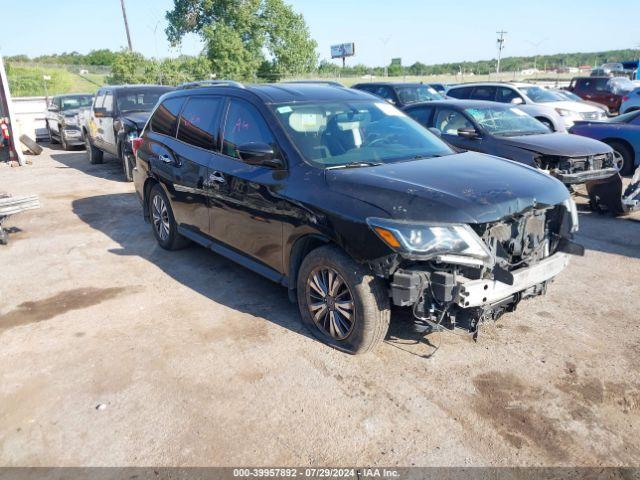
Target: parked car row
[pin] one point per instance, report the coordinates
(353, 206)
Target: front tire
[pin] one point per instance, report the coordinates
(94, 154)
(165, 228)
(625, 154)
(63, 140)
(341, 303)
(127, 164)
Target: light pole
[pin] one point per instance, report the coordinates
(500, 42)
(126, 24)
(384, 41)
(535, 50)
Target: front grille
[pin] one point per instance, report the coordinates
(524, 239)
(577, 164)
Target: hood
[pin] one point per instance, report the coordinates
(573, 106)
(559, 144)
(138, 118)
(462, 188)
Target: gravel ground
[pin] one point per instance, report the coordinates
(116, 352)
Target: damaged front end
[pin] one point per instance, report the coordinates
(580, 169)
(460, 276)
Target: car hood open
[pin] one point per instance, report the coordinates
(462, 188)
(560, 144)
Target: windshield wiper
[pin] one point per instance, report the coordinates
(354, 165)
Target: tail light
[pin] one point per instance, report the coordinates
(5, 131)
(625, 98)
(135, 145)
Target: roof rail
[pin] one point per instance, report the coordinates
(331, 83)
(210, 83)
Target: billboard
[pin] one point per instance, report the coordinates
(343, 50)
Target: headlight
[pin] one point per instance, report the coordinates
(571, 207)
(71, 120)
(450, 243)
(568, 113)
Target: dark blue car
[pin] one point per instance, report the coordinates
(622, 133)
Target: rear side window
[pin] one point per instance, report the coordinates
(244, 125)
(462, 92)
(422, 115)
(200, 121)
(484, 93)
(165, 118)
(507, 95)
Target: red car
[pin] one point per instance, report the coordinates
(603, 90)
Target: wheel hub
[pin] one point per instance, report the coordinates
(330, 302)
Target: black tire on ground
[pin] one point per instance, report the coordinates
(163, 223)
(94, 154)
(127, 166)
(627, 155)
(370, 309)
(31, 144)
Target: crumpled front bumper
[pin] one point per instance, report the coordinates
(477, 293)
(586, 176)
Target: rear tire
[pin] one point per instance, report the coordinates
(94, 154)
(127, 166)
(163, 223)
(627, 156)
(354, 313)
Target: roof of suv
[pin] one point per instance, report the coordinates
(285, 92)
(494, 84)
(394, 84)
(125, 87)
(461, 104)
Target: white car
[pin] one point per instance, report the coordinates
(550, 108)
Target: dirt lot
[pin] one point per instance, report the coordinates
(115, 352)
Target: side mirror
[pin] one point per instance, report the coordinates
(435, 131)
(100, 112)
(517, 101)
(470, 133)
(53, 108)
(256, 153)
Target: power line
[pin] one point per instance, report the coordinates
(126, 25)
(501, 34)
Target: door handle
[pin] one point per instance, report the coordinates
(165, 158)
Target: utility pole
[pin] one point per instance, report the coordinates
(384, 41)
(126, 25)
(501, 34)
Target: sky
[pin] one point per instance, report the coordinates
(414, 30)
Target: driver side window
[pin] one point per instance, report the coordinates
(244, 124)
(449, 121)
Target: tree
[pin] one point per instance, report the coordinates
(125, 68)
(244, 38)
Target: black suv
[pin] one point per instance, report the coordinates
(117, 116)
(401, 94)
(351, 205)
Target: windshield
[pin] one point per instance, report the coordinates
(506, 121)
(569, 95)
(625, 118)
(418, 93)
(341, 133)
(79, 101)
(541, 95)
(142, 100)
